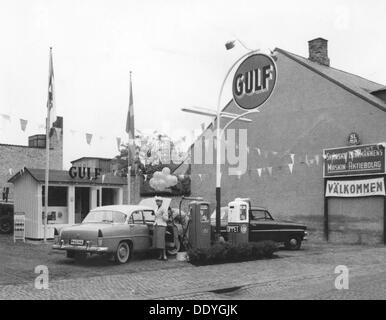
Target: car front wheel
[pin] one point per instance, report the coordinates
(293, 243)
(123, 253)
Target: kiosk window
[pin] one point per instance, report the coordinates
(57, 196)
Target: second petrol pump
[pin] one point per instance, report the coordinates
(238, 221)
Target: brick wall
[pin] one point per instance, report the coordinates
(305, 114)
(16, 157)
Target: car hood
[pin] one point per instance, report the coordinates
(290, 224)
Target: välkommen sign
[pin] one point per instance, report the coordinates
(355, 188)
(357, 160)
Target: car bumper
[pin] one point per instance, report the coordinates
(80, 248)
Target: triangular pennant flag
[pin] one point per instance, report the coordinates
(6, 117)
(317, 159)
(291, 167)
(103, 178)
(269, 170)
(88, 138)
(306, 161)
(119, 140)
(259, 171)
(23, 124)
(292, 155)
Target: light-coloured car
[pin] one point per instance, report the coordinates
(117, 230)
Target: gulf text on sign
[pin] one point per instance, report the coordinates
(354, 160)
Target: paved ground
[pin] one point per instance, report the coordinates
(304, 274)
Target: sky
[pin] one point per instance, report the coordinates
(175, 50)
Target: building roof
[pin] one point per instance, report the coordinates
(127, 209)
(357, 85)
(62, 176)
(92, 158)
(361, 87)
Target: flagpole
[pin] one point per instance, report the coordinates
(46, 174)
(128, 160)
(47, 171)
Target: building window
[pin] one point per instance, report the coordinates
(57, 196)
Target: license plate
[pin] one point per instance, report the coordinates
(77, 242)
(233, 228)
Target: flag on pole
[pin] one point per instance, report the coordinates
(51, 96)
(130, 114)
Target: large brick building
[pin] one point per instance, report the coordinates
(15, 157)
(313, 107)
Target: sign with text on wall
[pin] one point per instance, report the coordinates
(355, 188)
(354, 160)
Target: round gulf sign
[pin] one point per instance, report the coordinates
(254, 81)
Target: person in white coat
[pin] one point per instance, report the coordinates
(160, 223)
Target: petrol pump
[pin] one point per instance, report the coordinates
(238, 221)
(199, 226)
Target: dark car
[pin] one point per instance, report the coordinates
(6, 217)
(263, 227)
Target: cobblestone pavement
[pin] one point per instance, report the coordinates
(304, 274)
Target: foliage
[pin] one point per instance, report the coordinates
(226, 252)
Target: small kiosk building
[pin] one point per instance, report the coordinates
(70, 197)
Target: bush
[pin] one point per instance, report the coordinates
(226, 252)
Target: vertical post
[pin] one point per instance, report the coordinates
(384, 215)
(218, 145)
(218, 176)
(326, 227)
(128, 172)
(46, 175)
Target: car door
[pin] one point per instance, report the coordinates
(262, 226)
(139, 231)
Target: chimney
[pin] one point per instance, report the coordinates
(318, 51)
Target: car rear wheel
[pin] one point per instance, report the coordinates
(6, 225)
(123, 253)
(293, 243)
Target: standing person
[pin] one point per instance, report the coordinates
(160, 223)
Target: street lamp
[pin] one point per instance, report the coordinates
(218, 114)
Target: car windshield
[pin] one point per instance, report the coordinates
(105, 216)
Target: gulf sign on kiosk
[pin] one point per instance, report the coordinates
(254, 81)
